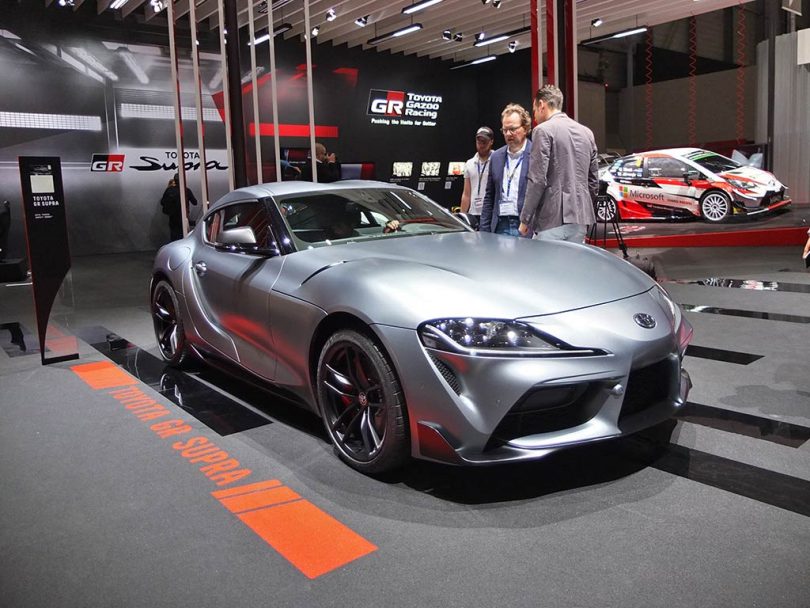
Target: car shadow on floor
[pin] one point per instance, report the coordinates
(569, 469)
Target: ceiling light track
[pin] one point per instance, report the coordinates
(395, 34)
(419, 6)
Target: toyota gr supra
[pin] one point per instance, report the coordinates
(686, 182)
(410, 334)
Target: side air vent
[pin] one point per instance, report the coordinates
(447, 373)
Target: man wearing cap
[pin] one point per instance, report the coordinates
(563, 173)
(508, 168)
(476, 173)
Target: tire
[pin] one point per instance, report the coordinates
(607, 210)
(169, 332)
(362, 404)
(715, 206)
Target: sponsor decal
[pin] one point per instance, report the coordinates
(107, 163)
(634, 194)
(306, 536)
(403, 108)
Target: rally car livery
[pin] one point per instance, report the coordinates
(686, 182)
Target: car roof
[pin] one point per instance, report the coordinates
(679, 152)
(299, 187)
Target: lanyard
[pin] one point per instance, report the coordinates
(481, 170)
(511, 174)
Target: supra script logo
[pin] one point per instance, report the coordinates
(386, 103)
(107, 163)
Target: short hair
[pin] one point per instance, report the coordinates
(319, 147)
(551, 95)
(516, 108)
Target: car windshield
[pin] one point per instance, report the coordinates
(318, 219)
(714, 162)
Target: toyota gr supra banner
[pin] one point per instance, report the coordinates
(410, 334)
(686, 182)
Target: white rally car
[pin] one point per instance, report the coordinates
(686, 182)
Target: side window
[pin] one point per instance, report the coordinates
(666, 167)
(240, 215)
(629, 167)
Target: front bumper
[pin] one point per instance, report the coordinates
(481, 410)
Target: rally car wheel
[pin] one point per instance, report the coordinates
(715, 206)
(607, 210)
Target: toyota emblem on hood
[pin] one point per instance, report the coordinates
(644, 320)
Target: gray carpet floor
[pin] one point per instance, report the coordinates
(97, 509)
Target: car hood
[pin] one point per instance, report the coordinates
(406, 280)
(762, 178)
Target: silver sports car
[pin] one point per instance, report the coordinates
(412, 335)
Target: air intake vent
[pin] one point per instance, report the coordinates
(647, 386)
(447, 373)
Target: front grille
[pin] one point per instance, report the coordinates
(647, 386)
(547, 409)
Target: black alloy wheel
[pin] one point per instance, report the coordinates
(362, 404)
(606, 209)
(168, 325)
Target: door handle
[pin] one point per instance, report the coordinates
(200, 268)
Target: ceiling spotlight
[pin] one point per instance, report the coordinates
(66, 3)
(447, 35)
(480, 36)
(484, 1)
(158, 5)
(118, 4)
(513, 46)
(596, 22)
(316, 30)
(331, 15)
(361, 21)
(458, 37)
(496, 3)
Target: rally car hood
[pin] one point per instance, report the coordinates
(761, 179)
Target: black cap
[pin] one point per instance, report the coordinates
(485, 132)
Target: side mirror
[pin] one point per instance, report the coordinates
(688, 176)
(238, 236)
(464, 217)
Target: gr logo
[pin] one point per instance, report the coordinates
(386, 103)
(107, 163)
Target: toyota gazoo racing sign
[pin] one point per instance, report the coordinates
(403, 108)
(107, 163)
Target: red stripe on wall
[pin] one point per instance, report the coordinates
(267, 130)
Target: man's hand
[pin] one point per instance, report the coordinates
(391, 226)
(523, 229)
(330, 158)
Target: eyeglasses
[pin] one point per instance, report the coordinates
(510, 130)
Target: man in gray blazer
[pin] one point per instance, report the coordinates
(563, 178)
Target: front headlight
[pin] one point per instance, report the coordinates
(740, 184)
(492, 337)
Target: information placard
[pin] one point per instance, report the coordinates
(48, 250)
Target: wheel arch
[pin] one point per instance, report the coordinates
(328, 326)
